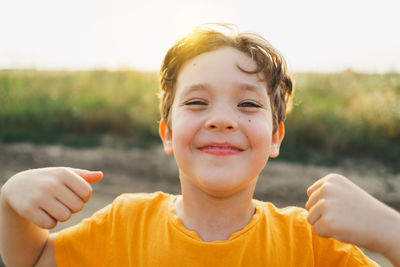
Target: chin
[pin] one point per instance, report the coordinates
(224, 187)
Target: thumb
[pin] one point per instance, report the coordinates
(89, 176)
(93, 176)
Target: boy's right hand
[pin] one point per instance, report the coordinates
(48, 195)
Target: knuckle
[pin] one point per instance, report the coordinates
(86, 192)
(327, 188)
(335, 177)
(330, 177)
(324, 189)
(325, 206)
(64, 171)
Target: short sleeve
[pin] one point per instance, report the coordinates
(111, 236)
(85, 244)
(331, 252)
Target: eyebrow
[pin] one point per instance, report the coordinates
(251, 87)
(206, 86)
(196, 87)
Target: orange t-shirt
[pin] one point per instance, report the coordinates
(143, 230)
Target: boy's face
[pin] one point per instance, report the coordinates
(221, 123)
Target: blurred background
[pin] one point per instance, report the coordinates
(79, 83)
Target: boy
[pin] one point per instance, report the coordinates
(223, 105)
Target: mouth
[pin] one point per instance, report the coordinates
(220, 149)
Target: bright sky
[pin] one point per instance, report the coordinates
(313, 35)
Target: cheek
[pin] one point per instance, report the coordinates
(259, 132)
(184, 127)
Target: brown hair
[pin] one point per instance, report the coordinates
(205, 39)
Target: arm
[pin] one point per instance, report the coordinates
(340, 209)
(18, 234)
(32, 202)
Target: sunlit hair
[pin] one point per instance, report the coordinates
(209, 37)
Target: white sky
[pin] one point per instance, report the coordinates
(313, 35)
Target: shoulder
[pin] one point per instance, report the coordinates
(290, 224)
(116, 224)
(141, 197)
(135, 203)
(122, 211)
(295, 216)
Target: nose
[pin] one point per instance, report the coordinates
(221, 119)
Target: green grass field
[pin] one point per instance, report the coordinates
(345, 114)
(77, 108)
(334, 116)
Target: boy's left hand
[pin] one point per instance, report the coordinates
(340, 209)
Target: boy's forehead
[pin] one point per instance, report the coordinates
(223, 56)
(226, 65)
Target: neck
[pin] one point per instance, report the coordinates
(213, 217)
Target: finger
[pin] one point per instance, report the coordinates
(73, 202)
(315, 186)
(314, 197)
(77, 184)
(323, 229)
(89, 176)
(40, 217)
(56, 210)
(315, 212)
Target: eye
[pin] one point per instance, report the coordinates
(249, 104)
(195, 102)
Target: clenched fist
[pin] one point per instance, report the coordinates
(340, 209)
(48, 195)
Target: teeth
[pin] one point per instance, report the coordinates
(218, 147)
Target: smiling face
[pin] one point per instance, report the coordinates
(221, 123)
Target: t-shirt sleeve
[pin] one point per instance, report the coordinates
(85, 243)
(326, 251)
(331, 252)
(111, 236)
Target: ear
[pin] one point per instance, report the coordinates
(166, 137)
(277, 138)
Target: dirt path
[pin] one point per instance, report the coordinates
(282, 183)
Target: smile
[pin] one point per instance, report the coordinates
(220, 149)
